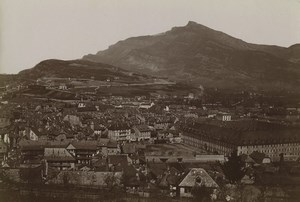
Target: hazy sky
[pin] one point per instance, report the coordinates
(35, 30)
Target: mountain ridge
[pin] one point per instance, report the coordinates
(206, 56)
(78, 69)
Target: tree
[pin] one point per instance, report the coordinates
(234, 168)
(201, 193)
(251, 193)
(110, 181)
(31, 175)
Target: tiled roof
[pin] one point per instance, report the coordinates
(85, 145)
(118, 159)
(57, 154)
(128, 148)
(190, 178)
(119, 126)
(255, 134)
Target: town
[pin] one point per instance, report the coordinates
(80, 133)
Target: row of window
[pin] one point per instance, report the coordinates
(273, 145)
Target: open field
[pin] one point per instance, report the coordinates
(173, 149)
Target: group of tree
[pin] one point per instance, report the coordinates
(234, 168)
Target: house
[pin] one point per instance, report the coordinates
(163, 123)
(141, 133)
(223, 116)
(134, 180)
(59, 158)
(83, 151)
(32, 134)
(4, 135)
(31, 153)
(81, 105)
(119, 132)
(3, 152)
(99, 129)
(260, 158)
(108, 147)
(196, 177)
(62, 86)
(249, 162)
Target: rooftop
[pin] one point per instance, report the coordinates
(195, 173)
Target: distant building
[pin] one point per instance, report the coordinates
(108, 147)
(146, 105)
(3, 152)
(119, 132)
(59, 158)
(62, 87)
(32, 153)
(4, 135)
(245, 138)
(223, 116)
(141, 132)
(83, 151)
(81, 104)
(31, 134)
(72, 119)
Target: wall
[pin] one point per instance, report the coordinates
(85, 178)
(290, 150)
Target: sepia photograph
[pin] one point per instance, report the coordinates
(149, 101)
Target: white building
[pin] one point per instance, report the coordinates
(119, 132)
(261, 137)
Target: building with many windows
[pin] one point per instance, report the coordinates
(244, 137)
(119, 132)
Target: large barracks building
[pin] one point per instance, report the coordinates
(244, 137)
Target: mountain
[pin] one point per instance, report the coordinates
(199, 55)
(79, 69)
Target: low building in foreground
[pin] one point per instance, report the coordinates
(196, 177)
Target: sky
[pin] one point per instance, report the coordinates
(35, 30)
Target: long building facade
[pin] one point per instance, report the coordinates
(225, 139)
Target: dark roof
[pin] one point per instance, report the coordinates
(85, 145)
(190, 178)
(112, 144)
(58, 154)
(128, 148)
(258, 157)
(130, 175)
(119, 126)
(118, 160)
(28, 145)
(143, 128)
(157, 168)
(257, 134)
(100, 163)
